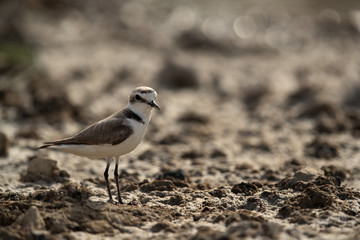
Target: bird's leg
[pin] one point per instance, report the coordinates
(116, 174)
(106, 175)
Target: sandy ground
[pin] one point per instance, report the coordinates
(258, 136)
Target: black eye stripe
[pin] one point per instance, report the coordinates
(138, 98)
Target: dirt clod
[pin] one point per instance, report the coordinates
(44, 169)
(300, 178)
(247, 189)
(158, 185)
(178, 177)
(253, 203)
(31, 219)
(313, 197)
(287, 211)
(219, 193)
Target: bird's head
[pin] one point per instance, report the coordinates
(143, 98)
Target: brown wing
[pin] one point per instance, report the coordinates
(108, 131)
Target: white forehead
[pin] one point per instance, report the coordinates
(146, 92)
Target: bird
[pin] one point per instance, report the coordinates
(114, 136)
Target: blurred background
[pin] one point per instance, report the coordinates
(262, 70)
(58, 59)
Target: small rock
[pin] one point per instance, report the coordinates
(125, 175)
(219, 193)
(174, 200)
(178, 178)
(245, 188)
(179, 174)
(44, 169)
(302, 176)
(287, 211)
(270, 196)
(75, 191)
(253, 203)
(129, 186)
(4, 145)
(31, 219)
(158, 185)
(313, 197)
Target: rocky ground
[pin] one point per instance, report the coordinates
(258, 136)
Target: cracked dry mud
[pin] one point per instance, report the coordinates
(255, 139)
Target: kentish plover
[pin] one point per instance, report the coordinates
(113, 136)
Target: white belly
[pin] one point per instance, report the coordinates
(108, 150)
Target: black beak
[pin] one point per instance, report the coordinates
(154, 105)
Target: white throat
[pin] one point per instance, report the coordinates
(141, 109)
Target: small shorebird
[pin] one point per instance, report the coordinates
(113, 136)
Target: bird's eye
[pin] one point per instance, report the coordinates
(137, 97)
